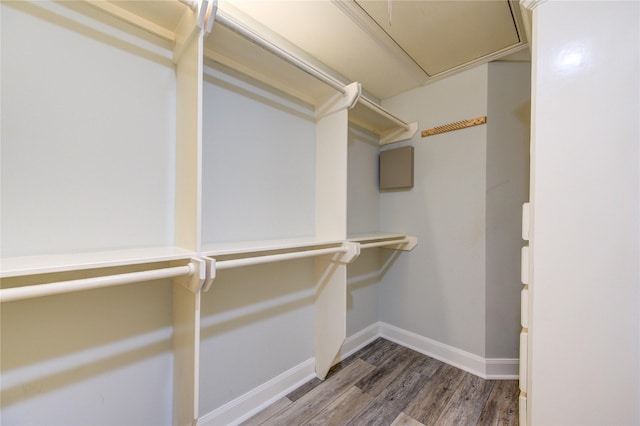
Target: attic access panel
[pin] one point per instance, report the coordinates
(442, 35)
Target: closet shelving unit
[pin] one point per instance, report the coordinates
(238, 43)
(174, 22)
(190, 32)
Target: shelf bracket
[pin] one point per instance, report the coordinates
(399, 134)
(408, 246)
(211, 273)
(340, 101)
(199, 277)
(352, 253)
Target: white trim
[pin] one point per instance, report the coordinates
(502, 368)
(472, 363)
(359, 340)
(256, 400)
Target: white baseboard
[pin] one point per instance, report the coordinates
(493, 369)
(503, 368)
(254, 401)
(251, 403)
(359, 340)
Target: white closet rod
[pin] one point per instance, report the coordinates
(385, 243)
(371, 105)
(280, 53)
(39, 290)
(236, 263)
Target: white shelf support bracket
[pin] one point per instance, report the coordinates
(340, 101)
(408, 246)
(194, 281)
(211, 273)
(399, 134)
(190, 27)
(352, 253)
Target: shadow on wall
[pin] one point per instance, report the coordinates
(58, 341)
(89, 29)
(361, 273)
(244, 296)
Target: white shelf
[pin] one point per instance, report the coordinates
(373, 117)
(234, 42)
(160, 18)
(32, 265)
(252, 247)
(386, 240)
(371, 237)
(228, 47)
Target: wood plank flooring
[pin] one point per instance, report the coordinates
(388, 384)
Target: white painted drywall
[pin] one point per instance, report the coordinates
(509, 112)
(364, 274)
(584, 343)
(258, 178)
(88, 134)
(438, 291)
(95, 357)
(461, 285)
(256, 323)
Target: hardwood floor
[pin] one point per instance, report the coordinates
(388, 384)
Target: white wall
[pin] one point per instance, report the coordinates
(87, 163)
(258, 177)
(507, 184)
(438, 291)
(257, 322)
(100, 356)
(88, 134)
(364, 274)
(584, 342)
(258, 183)
(461, 284)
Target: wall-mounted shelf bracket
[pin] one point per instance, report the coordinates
(353, 251)
(198, 279)
(340, 101)
(399, 134)
(211, 273)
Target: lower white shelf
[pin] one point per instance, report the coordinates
(386, 240)
(32, 265)
(252, 247)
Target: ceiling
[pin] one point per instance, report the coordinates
(391, 46)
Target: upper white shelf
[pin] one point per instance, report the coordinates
(246, 46)
(237, 45)
(161, 18)
(32, 265)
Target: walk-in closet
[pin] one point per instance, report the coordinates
(206, 204)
